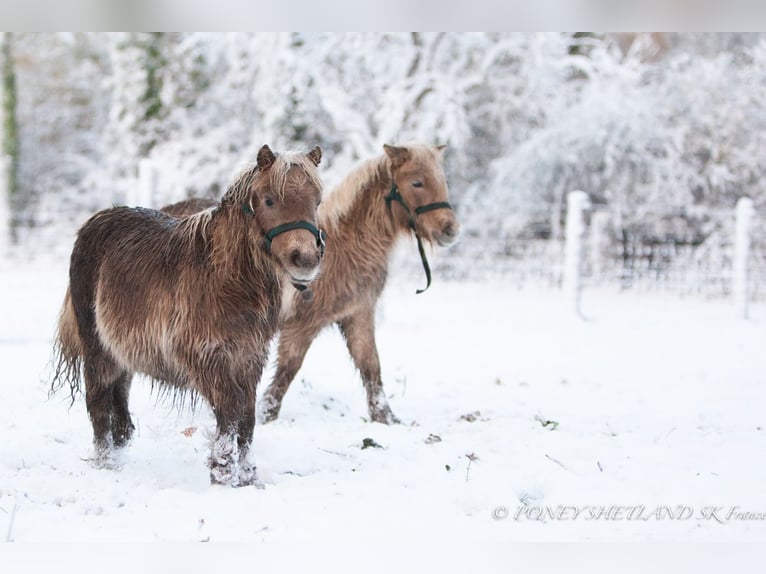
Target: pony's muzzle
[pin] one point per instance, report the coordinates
(301, 258)
(441, 227)
(448, 234)
(305, 261)
(299, 255)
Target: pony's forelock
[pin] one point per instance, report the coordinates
(282, 165)
(239, 190)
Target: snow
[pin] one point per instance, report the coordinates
(658, 402)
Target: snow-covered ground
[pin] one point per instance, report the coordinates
(656, 405)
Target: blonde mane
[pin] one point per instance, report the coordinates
(343, 196)
(196, 225)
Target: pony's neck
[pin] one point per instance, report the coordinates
(233, 253)
(363, 210)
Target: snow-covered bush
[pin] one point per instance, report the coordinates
(663, 131)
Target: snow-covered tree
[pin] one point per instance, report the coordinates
(662, 130)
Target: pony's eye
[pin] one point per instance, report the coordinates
(269, 202)
(417, 183)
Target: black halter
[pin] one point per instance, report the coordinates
(320, 235)
(394, 195)
(316, 232)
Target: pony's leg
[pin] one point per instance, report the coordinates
(100, 373)
(234, 411)
(122, 424)
(247, 473)
(294, 342)
(245, 429)
(223, 461)
(359, 332)
(246, 467)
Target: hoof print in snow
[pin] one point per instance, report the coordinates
(433, 439)
(472, 417)
(369, 443)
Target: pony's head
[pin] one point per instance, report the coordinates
(418, 176)
(282, 197)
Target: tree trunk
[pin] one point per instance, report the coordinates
(9, 137)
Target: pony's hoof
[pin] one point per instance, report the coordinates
(104, 460)
(122, 438)
(235, 476)
(248, 477)
(268, 415)
(104, 455)
(223, 474)
(385, 416)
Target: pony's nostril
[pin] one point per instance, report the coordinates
(448, 230)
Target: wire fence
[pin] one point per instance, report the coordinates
(700, 265)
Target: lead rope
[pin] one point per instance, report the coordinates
(394, 195)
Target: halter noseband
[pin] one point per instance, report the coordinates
(394, 195)
(320, 235)
(315, 231)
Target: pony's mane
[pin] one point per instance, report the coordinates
(196, 225)
(344, 195)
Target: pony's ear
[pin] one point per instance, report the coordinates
(265, 157)
(315, 155)
(397, 155)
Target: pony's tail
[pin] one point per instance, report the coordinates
(68, 351)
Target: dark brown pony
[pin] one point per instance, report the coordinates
(382, 200)
(190, 302)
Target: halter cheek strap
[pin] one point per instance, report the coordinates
(394, 195)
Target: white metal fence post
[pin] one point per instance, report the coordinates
(144, 194)
(577, 203)
(739, 278)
